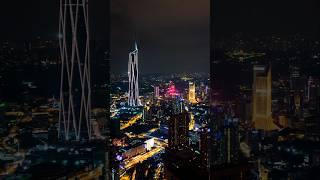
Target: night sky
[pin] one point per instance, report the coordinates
(173, 35)
(24, 20)
(265, 17)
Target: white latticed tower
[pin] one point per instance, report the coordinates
(133, 73)
(75, 91)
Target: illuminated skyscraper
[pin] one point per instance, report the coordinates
(156, 92)
(192, 121)
(178, 126)
(133, 74)
(75, 91)
(171, 91)
(261, 112)
(192, 92)
(178, 130)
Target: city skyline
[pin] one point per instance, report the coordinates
(161, 89)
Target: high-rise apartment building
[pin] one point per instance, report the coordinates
(178, 130)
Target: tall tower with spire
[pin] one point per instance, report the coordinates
(261, 111)
(133, 74)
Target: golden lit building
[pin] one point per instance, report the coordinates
(261, 112)
(192, 122)
(192, 92)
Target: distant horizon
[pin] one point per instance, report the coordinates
(160, 73)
